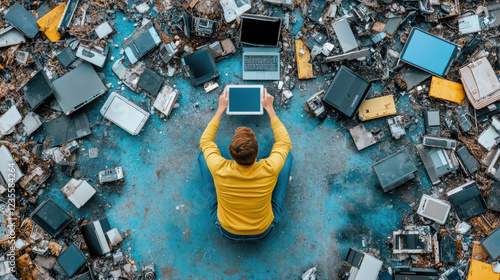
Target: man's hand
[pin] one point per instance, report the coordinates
(224, 99)
(223, 102)
(267, 103)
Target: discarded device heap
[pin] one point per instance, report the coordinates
(447, 73)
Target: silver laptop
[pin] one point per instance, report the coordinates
(261, 61)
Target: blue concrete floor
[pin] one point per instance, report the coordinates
(333, 201)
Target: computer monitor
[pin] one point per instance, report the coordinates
(201, 66)
(51, 217)
(428, 52)
(260, 30)
(391, 177)
(245, 100)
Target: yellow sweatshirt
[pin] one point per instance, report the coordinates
(244, 192)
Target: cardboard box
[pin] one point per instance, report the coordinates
(78, 192)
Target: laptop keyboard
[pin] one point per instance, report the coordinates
(261, 63)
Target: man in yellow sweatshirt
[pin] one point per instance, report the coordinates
(245, 196)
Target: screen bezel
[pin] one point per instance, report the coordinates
(452, 57)
(261, 18)
(260, 112)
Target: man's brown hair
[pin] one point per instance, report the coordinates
(244, 146)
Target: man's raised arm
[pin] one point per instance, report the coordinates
(283, 144)
(207, 144)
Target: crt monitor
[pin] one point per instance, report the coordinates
(201, 66)
(245, 100)
(428, 52)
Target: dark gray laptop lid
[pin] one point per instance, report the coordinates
(347, 91)
(77, 88)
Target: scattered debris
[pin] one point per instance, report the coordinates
(362, 138)
(111, 175)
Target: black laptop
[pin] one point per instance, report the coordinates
(347, 91)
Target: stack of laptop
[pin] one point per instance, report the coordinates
(261, 59)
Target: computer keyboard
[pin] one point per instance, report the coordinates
(261, 63)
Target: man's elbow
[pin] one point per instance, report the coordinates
(203, 143)
(288, 143)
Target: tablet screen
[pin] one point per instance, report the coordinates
(428, 52)
(244, 99)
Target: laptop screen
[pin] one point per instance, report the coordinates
(200, 63)
(244, 99)
(429, 52)
(260, 31)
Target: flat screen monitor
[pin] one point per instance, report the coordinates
(201, 66)
(245, 100)
(428, 52)
(260, 30)
(124, 113)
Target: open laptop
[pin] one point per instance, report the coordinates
(261, 61)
